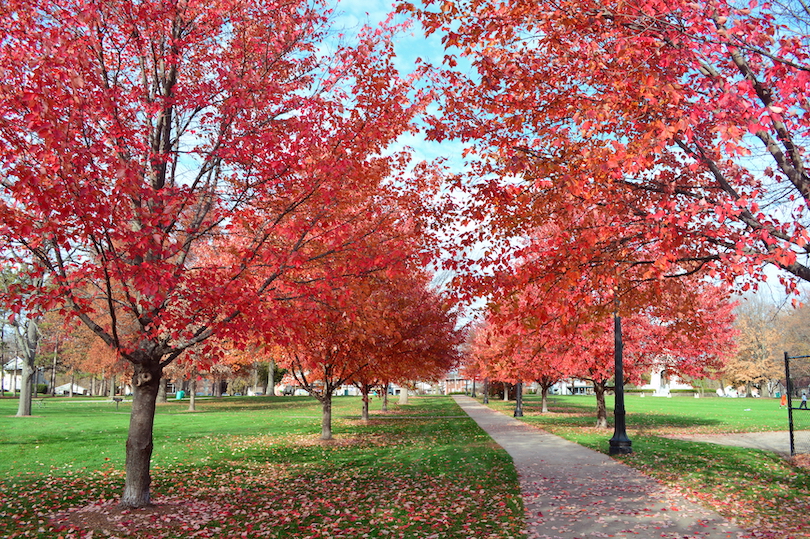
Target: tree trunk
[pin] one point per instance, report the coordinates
(192, 393)
(162, 390)
(27, 338)
(112, 386)
(326, 418)
(26, 390)
(601, 407)
(505, 392)
(92, 386)
(53, 371)
(544, 398)
(385, 398)
(145, 381)
(72, 383)
(271, 382)
(216, 388)
(365, 390)
(403, 395)
(2, 360)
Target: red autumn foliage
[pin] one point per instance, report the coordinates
(135, 137)
(674, 127)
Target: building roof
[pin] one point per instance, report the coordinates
(15, 364)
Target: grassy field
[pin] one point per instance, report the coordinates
(255, 466)
(760, 490)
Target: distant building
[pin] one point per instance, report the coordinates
(572, 387)
(662, 384)
(454, 382)
(12, 375)
(64, 389)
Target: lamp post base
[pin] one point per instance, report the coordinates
(620, 445)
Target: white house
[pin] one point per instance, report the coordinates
(64, 389)
(12, 375)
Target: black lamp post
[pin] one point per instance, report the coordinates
(519, 399)
(620, 444)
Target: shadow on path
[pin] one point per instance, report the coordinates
(571, 492)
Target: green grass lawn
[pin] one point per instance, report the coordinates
(759, 489)
(255, 465)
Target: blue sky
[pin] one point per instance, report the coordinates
(351, 15)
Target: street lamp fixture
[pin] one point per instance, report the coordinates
(519, 399)
(620, 444)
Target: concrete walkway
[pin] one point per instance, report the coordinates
(571, 492)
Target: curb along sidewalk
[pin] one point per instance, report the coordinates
(571, 492)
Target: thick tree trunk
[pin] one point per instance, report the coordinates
(192, 393)
(26, 390)
(544, 399)
(112, 386)
(145, 381)
(271, 382)
(162, 391)
(385, 398)
(403, 395)
(27, 338)
(505, 392)
(326, 418)
(601, 407)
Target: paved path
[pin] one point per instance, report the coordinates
(571, 492)
(776, 441)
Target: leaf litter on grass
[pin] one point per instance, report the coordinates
(291, 486)
(301, 501)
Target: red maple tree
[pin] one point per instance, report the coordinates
(382, 329)
(534, 333)
(135, 137)
(679, 123)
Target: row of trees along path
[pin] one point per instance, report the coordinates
(624, 156)
(184, 179)
(177, 175)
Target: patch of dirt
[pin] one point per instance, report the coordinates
(109, 518)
